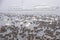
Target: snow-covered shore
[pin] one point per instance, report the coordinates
(29, 27)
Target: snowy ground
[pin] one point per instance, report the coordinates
(29, 27)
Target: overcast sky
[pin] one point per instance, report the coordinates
(27, 3)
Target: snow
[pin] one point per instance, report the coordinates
(26, 24)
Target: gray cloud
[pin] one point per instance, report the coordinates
(47, 2)
(28, 3)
